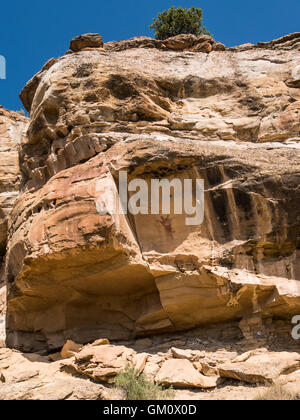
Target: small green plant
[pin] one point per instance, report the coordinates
(178, 21)
(277, 393)
(139, 387)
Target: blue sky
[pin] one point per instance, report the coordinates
(33, 31)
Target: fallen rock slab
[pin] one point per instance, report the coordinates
(139, 362)
(262, 368)
(180, 373)
(183, 354)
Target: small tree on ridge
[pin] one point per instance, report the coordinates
(178, 21)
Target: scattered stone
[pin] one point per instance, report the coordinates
(151, 369)
(100, 342)
(139, 362)
(183, 354)
(245, 356)
(70, 349)
(209, 370)
(55, 357)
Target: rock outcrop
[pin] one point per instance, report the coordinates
(12, 132)
(86, 41)
(229, 117)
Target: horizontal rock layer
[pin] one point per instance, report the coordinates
(81, 102)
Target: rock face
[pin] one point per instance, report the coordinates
(12, 132)
(228, 117)
(2, 315)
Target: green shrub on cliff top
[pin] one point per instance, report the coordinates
(178, 21)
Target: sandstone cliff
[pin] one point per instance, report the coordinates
(12, 131)
(188, 109)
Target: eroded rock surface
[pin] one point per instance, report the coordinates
(2, 315)
(229, 117)
(12, 132)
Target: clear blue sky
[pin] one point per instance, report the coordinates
(33, 31)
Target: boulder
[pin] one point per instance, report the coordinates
(100, 342)
(69, 349)
(139, 362)
(83, 42)
(262, 368)
(207, 369)
(151, 369)
(183, 354)
(180, 373)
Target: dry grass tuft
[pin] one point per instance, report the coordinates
(277, 393)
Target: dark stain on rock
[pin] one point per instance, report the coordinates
(243, 201)
(167, 224)
(220, 203)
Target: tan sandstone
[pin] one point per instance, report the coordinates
(157, 110)
(262, 368)
(182, 374)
